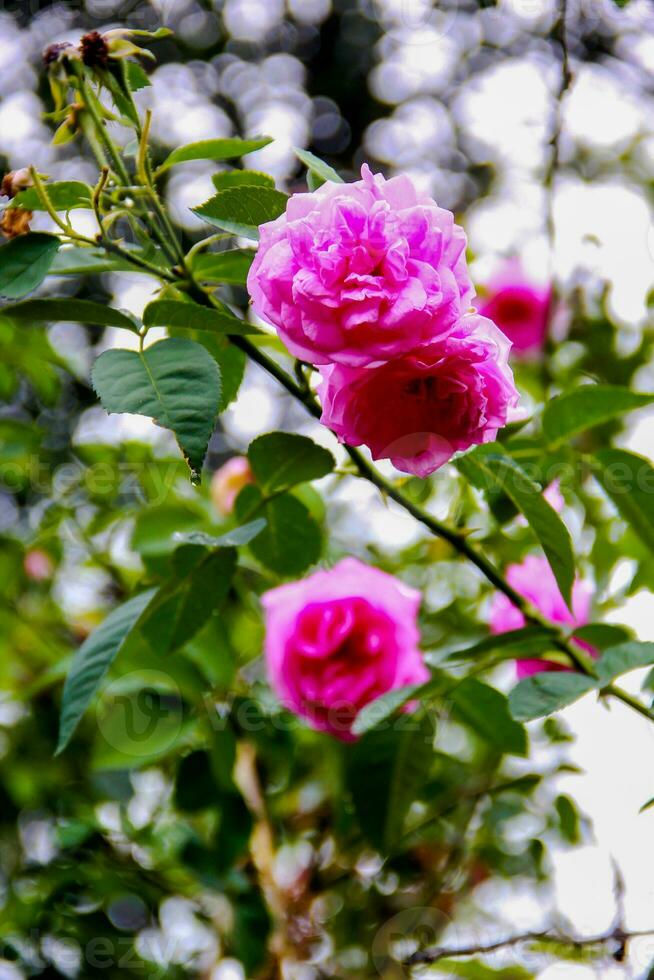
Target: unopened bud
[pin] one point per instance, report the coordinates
(55, 52)
(227, 483)
(14, 182)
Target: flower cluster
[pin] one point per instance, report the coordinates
(368, 282)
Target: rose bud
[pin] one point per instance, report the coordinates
(228, 481)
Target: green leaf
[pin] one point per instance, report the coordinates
(602, 635)
(476, 970)
(70, 310)
(528, 641)
(195, 786)
(622, 658)
(238, 536)
(218, 149)
(71, 260)
(546, 692)
(241, 210)
(628, 479)
(280, 460)
(492, 469)
(291, 541)
(230, 267)
(381, 709)
(386, 770)
(65, 195)
(92, 661)
(317, 167)
(486, 711)
(585, 407)
(238, 178)
(135, 77)
(184, 604)
(176, 382)
(191, 316)
(25, 262)
(568, 818)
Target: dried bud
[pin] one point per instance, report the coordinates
(55, 52)
(227, 483)
(15, 222)
(14, 182)
(94, 50)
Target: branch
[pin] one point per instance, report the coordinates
(616, 935)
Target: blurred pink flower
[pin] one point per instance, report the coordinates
(519, 307)
(38, 565)
(228, 481)
(420, 409)
(339, 639)
(534, 580)
(360, 273)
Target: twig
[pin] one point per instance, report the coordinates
(617, 935)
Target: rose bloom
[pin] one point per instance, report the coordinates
(359, 273)
(534, 580)
(420, 409)
(519, 307)
(339, 639)
(228, 481)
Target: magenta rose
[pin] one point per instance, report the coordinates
(519, 307)
(421, 408)
(534, 580)
(339, 639)
(360, 273)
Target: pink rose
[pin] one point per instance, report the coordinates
(534, 580)
(339, 639)
(228, 481)
(359, 273)
(519, 307)
(421, 408)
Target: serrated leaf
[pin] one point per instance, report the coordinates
(492, 468)
(547, 692)
(183, 604)
(135, 77)
(176, 382)
(280, 460)
(218, 149)
(585, 407)
(317, 167)
(628, 479)
(231, 267)
(602, 635)
(92, 661)
(70, 310)
(622, 658)
(238, 178)
(191, 316)
(64, 195)
(486, 711)
(386, 769)
(25, 262)
(241, 210)
(291, 541)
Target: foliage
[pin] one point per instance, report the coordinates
(143, 748)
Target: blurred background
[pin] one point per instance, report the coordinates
(466, 97)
